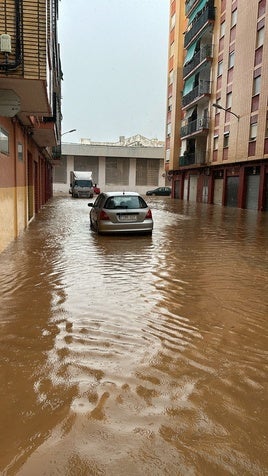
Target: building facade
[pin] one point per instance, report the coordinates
(30, 110)
(134, 164)
(217, 114)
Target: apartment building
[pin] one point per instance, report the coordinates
(217, 113)
(30, 110)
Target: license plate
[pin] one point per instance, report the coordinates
(125, 217)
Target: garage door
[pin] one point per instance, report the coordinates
(252, 191)
(266, 193)
(185, 189)
(232, 191)
(176, 188)
(218, 189)
(193, 188)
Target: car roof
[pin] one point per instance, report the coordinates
(120, 194)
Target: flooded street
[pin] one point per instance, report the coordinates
(133, 356)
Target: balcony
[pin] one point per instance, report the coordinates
(31, 70)
(199, 126)
(194, 158)
(203, 88)
(188, 6)
(205, 53)
(56, 152)
(201, 19)
(185, 160)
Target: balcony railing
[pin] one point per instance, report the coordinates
(205, 52)
(56, 152)
(204, 87)
(188, 6)
(199, 21)
(198, 125)
(195, 158)
(187, 159)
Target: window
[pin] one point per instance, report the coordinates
(231, 59)
(20, 151)
(253, 131)
(228, 100)
(266, 129)
(226, 139)
(173, 21)
(169, 104)
(234, 18)
(222, 29)
(167, 155)
(169, 129)
(260, 37)
(171, 51)
(4, 142)
(256, 85)
(215, 142)
(261, 9)
(220, 68)
(170, 77)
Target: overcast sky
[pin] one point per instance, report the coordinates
(114, 63)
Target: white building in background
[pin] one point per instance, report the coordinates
(135, 163)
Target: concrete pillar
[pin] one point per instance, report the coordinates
(102, 162)
(132, 175)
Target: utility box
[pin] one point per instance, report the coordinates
(5, 43)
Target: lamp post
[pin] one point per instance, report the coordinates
(218, 106)
(68, 132)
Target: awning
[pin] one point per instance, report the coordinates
(190, 52)
(189, 112)
(188, 85)
(198, 8)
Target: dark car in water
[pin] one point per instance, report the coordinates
(120, 212)
(160, 191)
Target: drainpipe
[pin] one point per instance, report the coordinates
(15, 178)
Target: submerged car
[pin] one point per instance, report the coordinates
(159, 191)
(120, 212)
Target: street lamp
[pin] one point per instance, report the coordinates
(68, 132)
(218, 106)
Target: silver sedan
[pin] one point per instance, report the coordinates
(120, 212)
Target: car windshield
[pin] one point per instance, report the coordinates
(83, 183)
(125, 201)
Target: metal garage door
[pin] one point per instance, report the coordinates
(177, 188)
(252, 191)
(232, 191)
(218, 189)
(266, 193)
(185, 190)
(193, 188)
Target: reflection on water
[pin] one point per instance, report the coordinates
(135, 355)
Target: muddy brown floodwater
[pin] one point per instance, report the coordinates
(133, 356)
